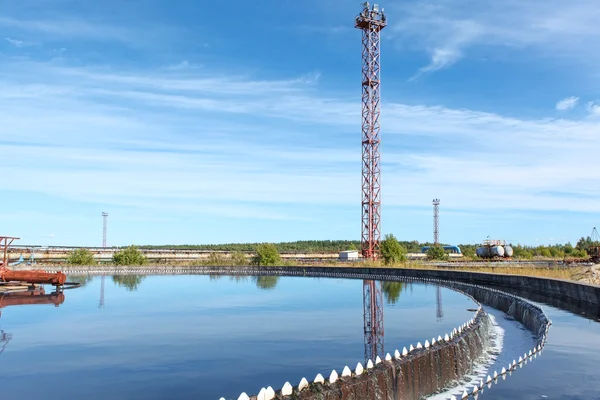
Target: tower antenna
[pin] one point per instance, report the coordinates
(371, 21)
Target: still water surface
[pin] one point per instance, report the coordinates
(203, 337)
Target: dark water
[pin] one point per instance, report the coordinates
(568, 368)
(182, 337)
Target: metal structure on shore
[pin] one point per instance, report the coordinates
(371, 21)
(32, 277)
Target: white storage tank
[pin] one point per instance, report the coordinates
(508, 251)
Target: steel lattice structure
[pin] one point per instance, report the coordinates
(373, 318)
(104, 222)
(436, 221)
(371, 21)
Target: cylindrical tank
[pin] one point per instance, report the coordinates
(482, 252)
(497, 251)
(508, 251)
(490, 252)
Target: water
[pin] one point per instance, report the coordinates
(205, 337)
(566, 369)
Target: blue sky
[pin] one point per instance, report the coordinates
(190, 122)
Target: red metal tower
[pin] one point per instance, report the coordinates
(371, 21)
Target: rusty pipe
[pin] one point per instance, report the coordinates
(39, 277)
(14, 299)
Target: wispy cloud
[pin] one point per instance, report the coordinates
(567, 104)
(17, 43)
(113, 137)
(449, 29)
(593, 108)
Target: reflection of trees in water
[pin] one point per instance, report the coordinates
(214, 277)
(83, 280)
(130, 282)
(238, 278)
(266, 282)
(392, 291)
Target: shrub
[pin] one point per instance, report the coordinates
(391, 250)
(129, 256)
(437, 252)
(81, 257)
(266, 254)
(239, 258)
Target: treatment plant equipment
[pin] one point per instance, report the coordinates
(33, 277)
(494, 249)
(371, 21)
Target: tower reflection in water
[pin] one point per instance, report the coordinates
(35, 296)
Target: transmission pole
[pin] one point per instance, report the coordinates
(371, 21)
(436, 221)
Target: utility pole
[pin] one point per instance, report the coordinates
(102, 278)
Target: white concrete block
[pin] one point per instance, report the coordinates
(333, 377)
(411, 348)
(404, 352)
(377, 360)
(495, 375)
(397, 354)
(432, 341)
(269, 393)
(465, 395)
(427, 344)
(370, 364)
(419, 345)
(243, 396)
(503, 371)
(440, 338)
(489, 379)
(359, 369)
(261, 394)
(303, 384)
(346, 372)
(388, 357)
(319, 379)
(287, 389)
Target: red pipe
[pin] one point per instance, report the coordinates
(39, 277)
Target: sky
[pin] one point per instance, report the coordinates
(190, 122)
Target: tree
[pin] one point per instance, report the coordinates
(266, 282)
(392, 251)
(83, 280)
(81, 257)
(392, 291)
(266, 254)
(130, 282)
(129, 256)
(436, 252)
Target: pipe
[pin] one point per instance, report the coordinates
(39, 277)
(14, 299)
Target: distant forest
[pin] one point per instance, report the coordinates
(332, 246)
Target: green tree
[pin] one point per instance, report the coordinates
(266, 254)
(81, 257)
(266, 282)
(130, 282)
(392, 291)
(352, 247)
(216, 259)
(130, 256)
(437, 252)
(392, 251)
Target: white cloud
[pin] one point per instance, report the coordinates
(17, 43)
(567, 104)
(449, 29)
(593, 108)
(113, 138)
